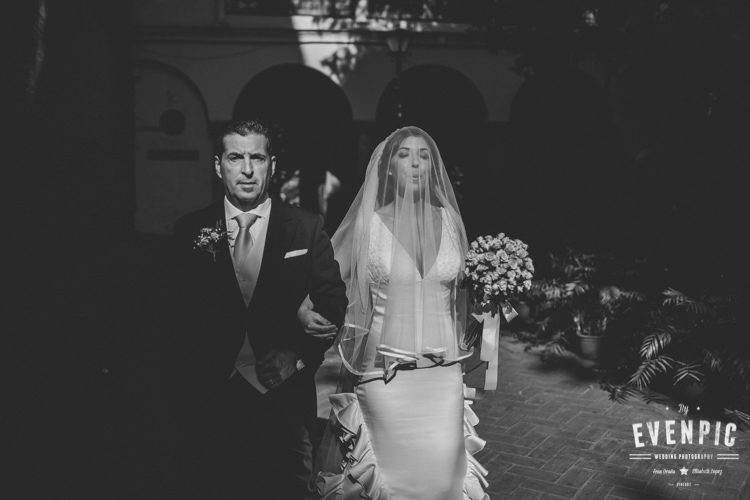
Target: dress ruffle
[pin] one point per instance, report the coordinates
(360, 476)
(475, 482)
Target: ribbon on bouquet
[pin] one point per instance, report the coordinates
(490, 350)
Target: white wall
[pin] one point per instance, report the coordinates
(166, 189)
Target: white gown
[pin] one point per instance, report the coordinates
(413, 437)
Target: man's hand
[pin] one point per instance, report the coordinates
(275, 367)
(316, 325)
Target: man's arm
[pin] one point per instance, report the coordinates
(326, 292)
(313, 323)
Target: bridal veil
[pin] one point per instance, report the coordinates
(407, 206)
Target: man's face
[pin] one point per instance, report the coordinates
(245, 168)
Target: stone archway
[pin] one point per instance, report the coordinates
(564, 156)
(448, 106)
(314, 119)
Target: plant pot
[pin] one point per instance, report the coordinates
(524, 312)
(592, 346)
(690, 391)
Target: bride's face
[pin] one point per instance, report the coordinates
(410, 164)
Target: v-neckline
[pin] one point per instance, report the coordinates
(421, 276)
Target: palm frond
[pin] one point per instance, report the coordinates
(575, 288)
(620, 393)
(650, 396)
(649, 369)
(689, 370)
(632, 296)
(678, 300)
(695, 307)
(715, 363)
(737, 416)
(656, 342)
(556, 349)
(674, 297)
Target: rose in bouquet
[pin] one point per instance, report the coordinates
(497, 268)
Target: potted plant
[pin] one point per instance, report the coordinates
(693, 349)
(591, 324)
(576, 304)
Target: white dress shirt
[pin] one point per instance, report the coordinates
(246, 361)
(230, 212)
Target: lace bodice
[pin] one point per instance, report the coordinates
(446, 267)
(420, 315)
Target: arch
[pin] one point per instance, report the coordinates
(447, 105)
(173, 156)
(564, 154)
(432, 96)
(169, 69)
(314, 119)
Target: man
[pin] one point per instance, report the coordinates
(241, 366)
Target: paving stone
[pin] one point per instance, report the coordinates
(522, 493)
(576, 477)
(592, 433)
(550, 496)
(593, 490)
(541, 475)
(560, 463)
(622, 492)
(553, 435)
(522, 460)
(548, 448)
(545, 487)
(732, 478)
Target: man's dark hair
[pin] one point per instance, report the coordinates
(243, 128)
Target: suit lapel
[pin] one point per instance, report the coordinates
(277, 239)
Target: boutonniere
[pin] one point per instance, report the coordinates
(209, 237)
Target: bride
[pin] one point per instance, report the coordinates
(399, 427)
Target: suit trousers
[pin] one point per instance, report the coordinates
(244, 448)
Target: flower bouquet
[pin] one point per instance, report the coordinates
(497, 268)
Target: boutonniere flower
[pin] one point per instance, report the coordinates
(209, 237)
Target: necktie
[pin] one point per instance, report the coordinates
(244, 241)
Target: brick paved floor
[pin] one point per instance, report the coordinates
(552, 433)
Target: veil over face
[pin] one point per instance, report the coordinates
(400, 249)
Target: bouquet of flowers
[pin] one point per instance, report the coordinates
(497, 268)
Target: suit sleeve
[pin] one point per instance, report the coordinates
(326, 290)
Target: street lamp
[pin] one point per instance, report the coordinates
(398, 45)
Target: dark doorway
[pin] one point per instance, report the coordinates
(314, 121)
(449, 107)
(563, 157)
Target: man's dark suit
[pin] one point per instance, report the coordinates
(243, 434)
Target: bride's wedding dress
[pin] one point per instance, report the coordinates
(412, 437)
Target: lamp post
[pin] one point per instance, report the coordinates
(398, 44)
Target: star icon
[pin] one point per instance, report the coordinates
(683, 471)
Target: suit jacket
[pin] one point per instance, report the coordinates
(210, 317)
